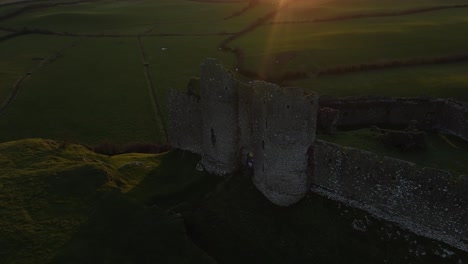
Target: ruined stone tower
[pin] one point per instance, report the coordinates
(283, 136)
(218, 92)
(228, 119)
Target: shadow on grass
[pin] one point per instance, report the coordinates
(137, 227)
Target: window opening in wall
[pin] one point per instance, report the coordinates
(263, 167)
(213, 137)
(287, 106)
(263, 144)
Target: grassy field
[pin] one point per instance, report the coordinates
(61, 203)
(306, 10)
(317, 45)
(448, 80)
(123, 17)
(96, 89)
(19, 57)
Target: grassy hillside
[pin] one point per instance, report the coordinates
(61, 203)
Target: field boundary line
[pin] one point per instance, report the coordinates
(14, 92)
(41, 31)
(13, 3)
(152, 91)
(12, 35)
(252, 4)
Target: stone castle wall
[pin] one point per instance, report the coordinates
(186, 124)
(454, 119)
(220, 137)
(284, 130)
(226, 119)
(430, 202)
(233, 118)
(431, 113)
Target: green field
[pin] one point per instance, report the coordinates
(306, 10)
(443, 81)
(124, 17)
(88, 81)
(313, 46)
(95, 85)
(19, 57)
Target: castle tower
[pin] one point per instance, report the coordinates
(219, 102)
(284, 134)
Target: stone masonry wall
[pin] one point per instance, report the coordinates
(284, 130)
(245, 120)
(432, 113)
(427, 201)
(454, 119)
(219, 115)
(232, 118)
(186, 126)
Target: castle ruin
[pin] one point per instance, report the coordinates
(224, 120)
